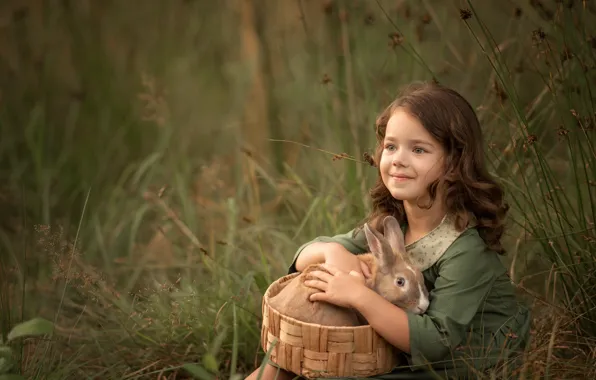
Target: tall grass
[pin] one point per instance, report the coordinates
(551, 173)
(187, 221)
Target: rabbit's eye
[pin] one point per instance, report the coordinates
(400, 281)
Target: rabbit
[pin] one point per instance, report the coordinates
(393, 277)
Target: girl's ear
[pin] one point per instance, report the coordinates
(394, 236)
(379, 247)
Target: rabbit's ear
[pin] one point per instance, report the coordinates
(394, 236)
(379, 247)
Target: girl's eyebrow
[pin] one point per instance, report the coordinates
(414, 142)
(421, 142)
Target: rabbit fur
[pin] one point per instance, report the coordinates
(392, 276)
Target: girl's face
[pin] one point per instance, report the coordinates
(411, 158)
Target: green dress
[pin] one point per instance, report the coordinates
(474, 319)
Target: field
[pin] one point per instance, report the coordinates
(160, 165)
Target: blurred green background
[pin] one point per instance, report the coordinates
(161, 161)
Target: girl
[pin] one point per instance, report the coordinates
(432, 178)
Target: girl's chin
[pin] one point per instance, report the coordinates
(401, 196)
(406, 197)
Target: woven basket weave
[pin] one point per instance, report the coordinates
(312, 350)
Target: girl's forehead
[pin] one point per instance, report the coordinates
(401, 125)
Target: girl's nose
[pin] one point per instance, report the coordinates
(399, 158)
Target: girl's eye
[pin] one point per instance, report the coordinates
(419, 150)
(400, 281)
(390, 147)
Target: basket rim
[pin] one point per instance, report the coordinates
(297, 321)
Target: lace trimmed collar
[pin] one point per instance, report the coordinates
(427, 250)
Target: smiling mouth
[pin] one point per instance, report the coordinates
(400, 177)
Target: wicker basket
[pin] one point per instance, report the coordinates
(312, 350)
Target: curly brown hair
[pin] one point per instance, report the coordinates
(469, 188)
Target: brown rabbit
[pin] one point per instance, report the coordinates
(393, 277)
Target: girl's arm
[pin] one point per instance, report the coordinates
(330, 253)
(386, 319)
(313, 252)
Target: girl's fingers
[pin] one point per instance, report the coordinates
(355, 274)
(321, 285)
(320, 275)
(316, 297)
(365, 269)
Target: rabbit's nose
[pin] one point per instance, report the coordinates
(422, 305)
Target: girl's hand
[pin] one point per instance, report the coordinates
(336, 287)
(345, 261)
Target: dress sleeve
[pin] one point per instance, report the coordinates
(465, 276)
(355, 244)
